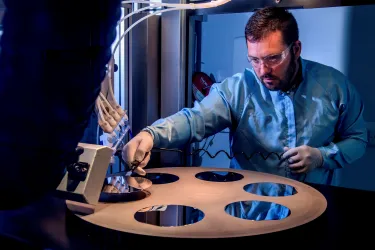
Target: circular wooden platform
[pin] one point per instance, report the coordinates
(211, 198)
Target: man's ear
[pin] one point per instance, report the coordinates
(297, 48)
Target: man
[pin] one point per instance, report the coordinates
(305, 111)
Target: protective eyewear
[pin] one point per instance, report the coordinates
(270, 60)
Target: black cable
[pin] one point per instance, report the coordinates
(156, 149)
(209, 144)
(229, 156)
(248, 157)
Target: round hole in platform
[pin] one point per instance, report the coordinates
(219, 176)
(169, 215)
(270, 189)
(257, 210)
(159, 178)
(119, 188)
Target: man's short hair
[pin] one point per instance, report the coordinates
(271, 19)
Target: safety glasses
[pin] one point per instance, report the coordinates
(270, 60)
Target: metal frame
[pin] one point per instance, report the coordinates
(238, 6)
(173, 70)
(193, 65)
(144, 72)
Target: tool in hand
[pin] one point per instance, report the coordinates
(134, 164)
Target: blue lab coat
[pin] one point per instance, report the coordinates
(324, 111)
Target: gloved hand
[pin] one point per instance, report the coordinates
(303, 159)
(138, 149)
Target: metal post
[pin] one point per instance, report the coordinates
(173, 70)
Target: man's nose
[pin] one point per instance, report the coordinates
(264, 69)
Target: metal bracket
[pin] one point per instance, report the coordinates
(83, 182)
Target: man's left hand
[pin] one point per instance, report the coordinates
(302, 159)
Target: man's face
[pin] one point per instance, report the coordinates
(274, 62)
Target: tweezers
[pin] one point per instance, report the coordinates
(134, 165)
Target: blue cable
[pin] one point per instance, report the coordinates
(130, 133)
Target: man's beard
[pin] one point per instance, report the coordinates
(286, 82)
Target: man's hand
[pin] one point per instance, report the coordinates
(138, 149)
(302, 159)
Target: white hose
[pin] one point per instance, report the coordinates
(140, 20)
(106, 101)
(100, 112)
(171, 6)
(185, 6)
(135, 12)
(115, 147)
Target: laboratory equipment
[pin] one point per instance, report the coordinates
(111, 117)
(83, 181)
(209, 201)
(343, 233)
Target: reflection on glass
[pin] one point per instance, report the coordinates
(270, 189)
(219, 176)
(257, 210)
(159, 178)
(169, 215)
(119, 188)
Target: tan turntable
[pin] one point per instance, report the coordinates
(157, 212)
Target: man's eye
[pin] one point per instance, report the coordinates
(255, 60)
(274, 58)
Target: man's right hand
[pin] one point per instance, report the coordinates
(138, 149)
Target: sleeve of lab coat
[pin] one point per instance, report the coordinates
(208, 117)
(351, 135)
